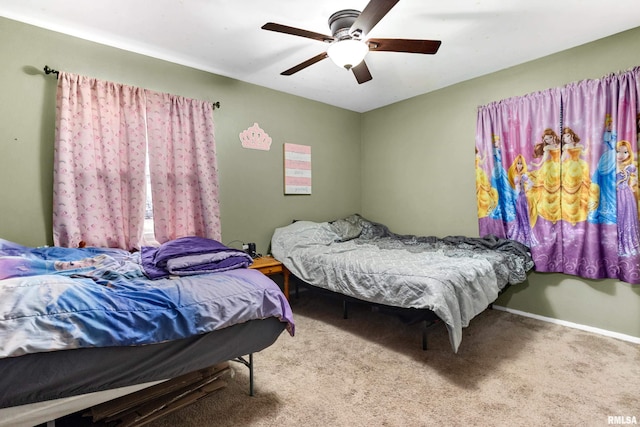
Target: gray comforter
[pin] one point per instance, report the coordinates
(455, 277)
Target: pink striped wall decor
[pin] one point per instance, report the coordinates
(297, 169)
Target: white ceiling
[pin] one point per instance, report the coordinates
(224, 37)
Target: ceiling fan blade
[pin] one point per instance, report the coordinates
(305, 64)
(279, 28)
(361, 71)
(404, 45)
(370, 16)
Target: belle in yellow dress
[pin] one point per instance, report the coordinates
(576, 181)
(545, 192)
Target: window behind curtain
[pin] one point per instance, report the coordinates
(148, 236)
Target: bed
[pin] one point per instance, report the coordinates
(449, 279)
(81, 326)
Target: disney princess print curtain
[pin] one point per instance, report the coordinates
(557, 170)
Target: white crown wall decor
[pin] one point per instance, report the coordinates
(255, 138)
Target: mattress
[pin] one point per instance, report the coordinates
(456, 277)
(66, 298)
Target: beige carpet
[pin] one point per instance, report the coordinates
(370, 370)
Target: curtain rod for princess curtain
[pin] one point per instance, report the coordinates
(49, 70)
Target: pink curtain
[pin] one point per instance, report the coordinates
(182, 162)
(99, 165)
(558, 171)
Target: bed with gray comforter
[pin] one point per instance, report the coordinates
(455, 277)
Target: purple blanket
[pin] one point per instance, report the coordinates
(191, 255)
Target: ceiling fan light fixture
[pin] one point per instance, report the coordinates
(347, 49)
(347, 53)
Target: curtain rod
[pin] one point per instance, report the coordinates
(49, 70)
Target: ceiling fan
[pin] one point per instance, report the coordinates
(347, 47)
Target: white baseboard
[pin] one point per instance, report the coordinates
(599, 331)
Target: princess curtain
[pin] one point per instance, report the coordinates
(99, 164)
(557, 171)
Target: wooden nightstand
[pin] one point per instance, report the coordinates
(268, 265)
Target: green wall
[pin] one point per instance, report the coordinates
(418, 174)
(251, 181)
(409, 165)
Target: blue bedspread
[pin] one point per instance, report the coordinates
(55, 298)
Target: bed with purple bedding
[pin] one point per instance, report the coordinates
(67, 315)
